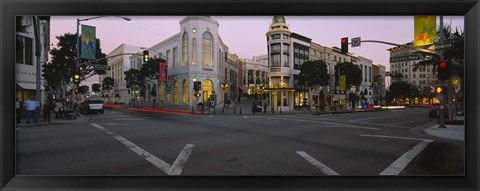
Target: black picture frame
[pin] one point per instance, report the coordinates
(8, 9)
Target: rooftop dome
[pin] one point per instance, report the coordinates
(278, 19)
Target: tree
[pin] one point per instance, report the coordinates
(96, 87)
(83, 89)
(314, 74)
(149, 72)
(133, 78)
(107, 83)
(352, 72)
(353, 99)
(403, 89)
(63, 61)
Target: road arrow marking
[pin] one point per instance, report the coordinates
(175, 169)
(317, 164)
(399, 165)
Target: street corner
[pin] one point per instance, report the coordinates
(454, 132)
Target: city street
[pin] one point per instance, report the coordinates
(125, 142)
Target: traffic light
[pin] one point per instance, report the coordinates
(145, 56)
(76, 77)
(440, 89)
(443, 70)
(344, 42)
(197, 86)
(44, 71)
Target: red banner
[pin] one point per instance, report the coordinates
(163, 72)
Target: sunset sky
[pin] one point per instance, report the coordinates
(245, 35)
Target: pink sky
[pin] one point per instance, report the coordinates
(245, 35)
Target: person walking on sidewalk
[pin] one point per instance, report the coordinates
(19, 109)
(31, 106)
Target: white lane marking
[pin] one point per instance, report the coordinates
(317, 164)
(112, 124)
(179, 163)
(245, 117)
(129, 119)
(397, 166)
(385, 125)
(175, 169)
(395, 137)
(335, 124)
(366, 119)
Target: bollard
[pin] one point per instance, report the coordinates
(234, 108)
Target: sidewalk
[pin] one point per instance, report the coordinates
(455, 132)
(53, 121)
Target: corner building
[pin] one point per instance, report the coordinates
(196, 53)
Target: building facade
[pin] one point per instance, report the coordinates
(255, 75)
(25, 58)
(118, 65)
(403, 60)
(196, 53)
(287, 51)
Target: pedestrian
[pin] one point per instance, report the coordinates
(19, 109)
(265, 108)
(31, 106)
(58, 109)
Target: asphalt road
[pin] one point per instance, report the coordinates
(123, 142)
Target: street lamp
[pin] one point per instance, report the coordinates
(78, 46)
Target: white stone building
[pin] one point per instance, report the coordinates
(196, 53)
(118, 65)
(26, 60)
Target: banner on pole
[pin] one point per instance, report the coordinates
(425, 30)
(88, 44)
(343, 80)
(163, 72)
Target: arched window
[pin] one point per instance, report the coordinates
(185, 92)
(175, 92)
(184, 49)
(194, 51)
(207, 49)
(207, 87)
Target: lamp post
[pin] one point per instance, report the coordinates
(77, 65)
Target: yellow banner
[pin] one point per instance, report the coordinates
(343, 80)
(425, 30)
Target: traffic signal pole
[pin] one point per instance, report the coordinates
(441, 96)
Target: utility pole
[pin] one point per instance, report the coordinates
(441, 97)
(38, 50)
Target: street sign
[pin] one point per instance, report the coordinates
(405, 58)
(443, 46)
(100, 67)
(356, 42)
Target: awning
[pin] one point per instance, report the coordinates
(30, 86)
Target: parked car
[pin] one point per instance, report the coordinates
(92, 106)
